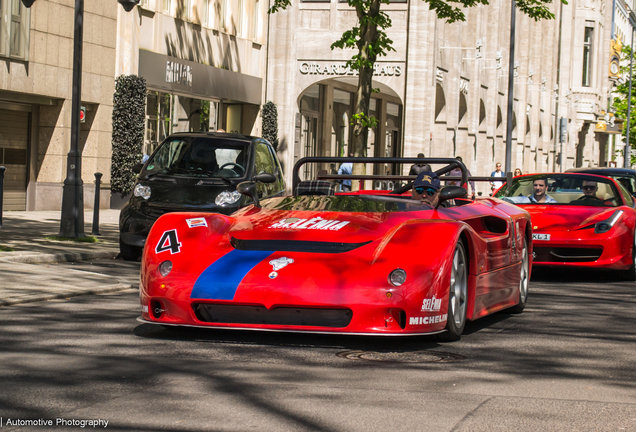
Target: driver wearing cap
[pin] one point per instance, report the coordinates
(426, 188)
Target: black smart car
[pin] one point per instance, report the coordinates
(625, 176)
(196, 172)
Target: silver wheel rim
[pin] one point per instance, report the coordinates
(523, 285)
(458, 289)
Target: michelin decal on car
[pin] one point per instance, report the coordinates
(313, 223)
(428, 320)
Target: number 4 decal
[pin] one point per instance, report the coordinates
(169, 241)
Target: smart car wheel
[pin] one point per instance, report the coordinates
(457, 296)
(129, 253)
(523, 281)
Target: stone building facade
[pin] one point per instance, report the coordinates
(444, 91)
(203, 61)
(36, 53)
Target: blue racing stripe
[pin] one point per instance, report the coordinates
(221, 279)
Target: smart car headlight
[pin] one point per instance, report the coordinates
(397, 277)
(607, 224)
(142, 191)
(227, 197)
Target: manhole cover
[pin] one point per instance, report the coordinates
(403, 357)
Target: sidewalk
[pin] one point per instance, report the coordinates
(22, 280)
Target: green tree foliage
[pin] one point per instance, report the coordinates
(370, 38)
(620, 99)
(129, 116)
(270, 124)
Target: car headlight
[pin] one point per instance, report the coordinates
(165, 268)
(604, 226)
(397, 277)
(227, 197)
(142, 191)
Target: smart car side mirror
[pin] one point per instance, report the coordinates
(264, 178)
(249, 188)
(451, 192)
(137, 168)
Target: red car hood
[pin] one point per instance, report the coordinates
(566, 217)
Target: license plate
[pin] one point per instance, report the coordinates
(540, 236)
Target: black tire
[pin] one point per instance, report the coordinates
(457, 296)
(524, 281)
(129, 253)
(630, 273)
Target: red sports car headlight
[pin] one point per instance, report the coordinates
(165, 268)
(397, 277)
(606, 225)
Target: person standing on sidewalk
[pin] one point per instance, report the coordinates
(420, 166)
(494, 185)
(346, 169)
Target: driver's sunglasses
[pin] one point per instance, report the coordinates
(589, 187)
(429, 191)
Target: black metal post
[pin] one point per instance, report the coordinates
(98, 182)
(2, 170)
(511, 84)
(72, 221)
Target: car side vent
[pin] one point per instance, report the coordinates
(295, 246)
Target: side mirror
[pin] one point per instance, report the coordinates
(249, 189)
(451, 192)
(264, 178)
(137, 168)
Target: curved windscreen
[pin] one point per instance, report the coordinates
(561, 189)
(345, 203)
(199, 157)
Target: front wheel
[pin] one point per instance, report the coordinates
(129, 253)
(457, 296)
(523, 281)
(630, 273)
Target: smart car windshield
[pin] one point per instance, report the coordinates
(561, 189)
(199, 157)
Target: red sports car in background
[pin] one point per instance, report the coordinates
(360, 263)
(583, 221)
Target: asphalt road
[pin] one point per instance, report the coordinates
(566, 364)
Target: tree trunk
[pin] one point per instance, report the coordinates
(368, 35)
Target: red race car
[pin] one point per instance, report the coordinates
(366, 262)
(579, 220)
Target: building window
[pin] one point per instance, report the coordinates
(15, 22)
(166, 6)
(185, 12)
(256, 25)
(587, 56)
(208, 13)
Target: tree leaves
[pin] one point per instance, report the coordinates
(270, 124)
(129, 117)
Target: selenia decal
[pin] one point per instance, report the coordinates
(431, 304)
(313, 223)
(169, 241)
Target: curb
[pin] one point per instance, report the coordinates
(48, 258)
(67, 294)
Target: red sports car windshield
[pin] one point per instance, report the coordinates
(562, 189)
(346, 203)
